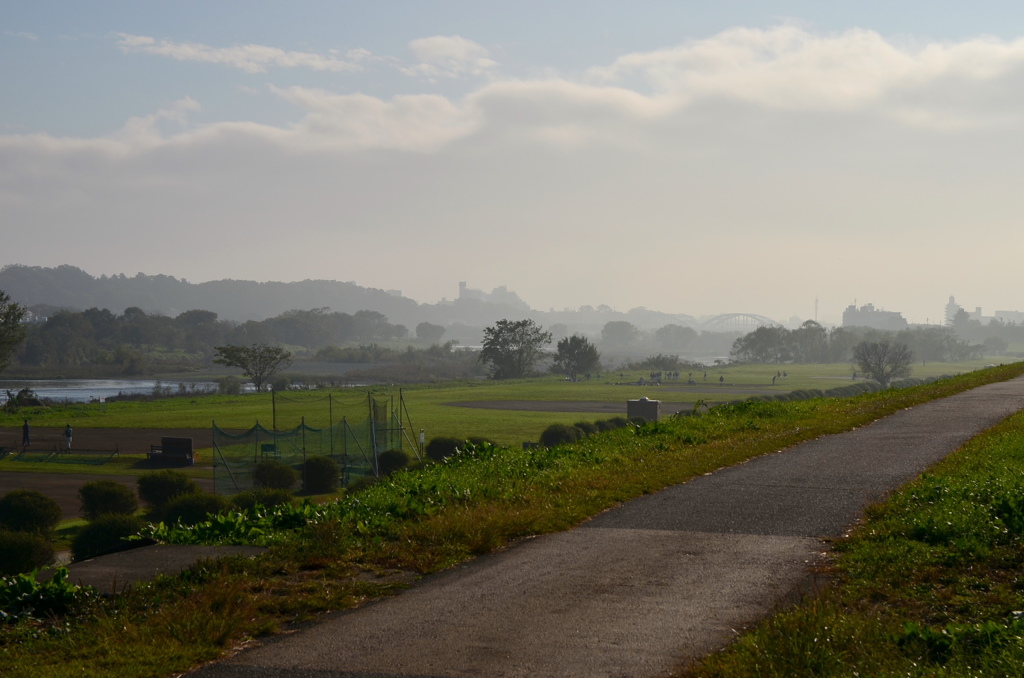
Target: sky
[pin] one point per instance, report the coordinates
(784, 158)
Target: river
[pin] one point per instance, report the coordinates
(86, 390)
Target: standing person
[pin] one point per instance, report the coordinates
(26, 434)
(67, 436)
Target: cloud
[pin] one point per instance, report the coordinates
(22, 35)
(790, 69)
(357, 121)
(448, 56)
(248, 58)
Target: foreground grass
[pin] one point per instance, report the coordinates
(417, 522)
(930, 585)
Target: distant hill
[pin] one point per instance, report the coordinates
(69, 287)
(72, 288)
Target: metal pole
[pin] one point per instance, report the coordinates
(330, 418)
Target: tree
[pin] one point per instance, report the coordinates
(12, 330)
(429, 332)
(512, 347)
(675, 337)
(259, 362)
(619, 333)
(575, 355)
(883, 360)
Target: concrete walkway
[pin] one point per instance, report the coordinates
(642, 589)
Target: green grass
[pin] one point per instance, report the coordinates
(930, 585)
(430, 406)
(416, 522)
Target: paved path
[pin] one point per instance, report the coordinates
(644, 588)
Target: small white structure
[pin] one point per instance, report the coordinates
(645, 408)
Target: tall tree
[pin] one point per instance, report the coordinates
(619, 333)
(883, 360)
(429, 333)
(259, 362)
(576, 355)
(12, 329)
(512, 348)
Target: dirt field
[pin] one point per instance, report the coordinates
(124, 440)
(63, 487)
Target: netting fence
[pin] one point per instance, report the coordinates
(353, 434)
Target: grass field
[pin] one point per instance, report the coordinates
(430, 406)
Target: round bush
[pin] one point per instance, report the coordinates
(618, 422)
(603, 425)
(273, 475)
(192, 509)
(321, 474)
(586, 427)
(253, 498)
(361, 483)
(23, 552)
(28, 511)
(103, 497)
(159, 487)
(441, 448)
(559, 434)
(105, 535)
(391, 461)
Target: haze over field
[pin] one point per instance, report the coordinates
(694, 158)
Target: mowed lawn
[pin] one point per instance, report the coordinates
(506, 412)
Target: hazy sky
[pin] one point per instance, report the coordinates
(692, 157)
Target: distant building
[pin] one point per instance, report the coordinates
(1008, 317)
(1015, 317)
(952, 308)
(868, 316)
(499, 295)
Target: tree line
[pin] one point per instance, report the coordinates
(132, 339)
(812, 343)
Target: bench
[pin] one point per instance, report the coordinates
(172, 450)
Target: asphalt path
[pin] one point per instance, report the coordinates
(642, 589)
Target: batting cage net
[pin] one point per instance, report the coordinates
(333, 429)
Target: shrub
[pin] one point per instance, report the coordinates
(360, 484)
(106, 534)
(268, 498)
(441, 448)
(391, 461)
(321, 475)
(587, 428)
(559, 434)
(23, 552)
(229, 385)
(603, 425)
(192, 509)
(273, 475)
(160, 487)
(28, 511)
(618, 422)
(102, 497)
(480, 440)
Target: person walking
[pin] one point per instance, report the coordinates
(67, 436)
(26, 434)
